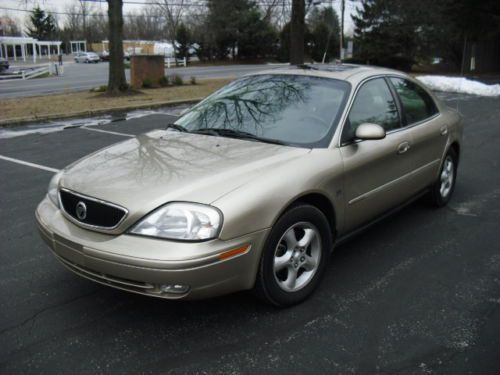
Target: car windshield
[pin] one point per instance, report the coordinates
(296, 110)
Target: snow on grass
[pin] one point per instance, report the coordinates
(459, 85)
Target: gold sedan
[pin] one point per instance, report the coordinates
(253, 187)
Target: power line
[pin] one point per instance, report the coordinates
(198, 4)
(81, 14)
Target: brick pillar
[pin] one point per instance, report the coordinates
(146, 67)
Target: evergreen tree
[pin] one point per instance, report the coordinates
(41, 25)
(183, 39)
(239, 29)
(394, 33)
(324, 35)
(398, 33)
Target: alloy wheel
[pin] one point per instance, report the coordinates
(447, 176)
(297, 256)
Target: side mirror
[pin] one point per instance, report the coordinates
(370, 131)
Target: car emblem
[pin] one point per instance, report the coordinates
(81, 210)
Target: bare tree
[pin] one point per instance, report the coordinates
(297, 32)
(9, 26)
(85, 9)
(116, 80)
(148, 24)
(73, 22)
(277, 12)
(173, 11)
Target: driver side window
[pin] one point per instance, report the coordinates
(374, 104)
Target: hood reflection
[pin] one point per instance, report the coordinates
(167, 163)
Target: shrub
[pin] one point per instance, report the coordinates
(177, 80)
(193, 80)
(163, 81)
(102, 88)
(147, 83)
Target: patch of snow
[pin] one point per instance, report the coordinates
(459, 85)
(59, 125)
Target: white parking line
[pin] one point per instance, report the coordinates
(107, 131)
(28, 164)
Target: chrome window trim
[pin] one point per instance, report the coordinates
(348, 107)
(90, 226)
(403, 127)
(415, 82)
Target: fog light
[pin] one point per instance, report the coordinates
(174, 288)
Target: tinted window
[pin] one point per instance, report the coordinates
(417, 104)
(373, 104)
(298, 110)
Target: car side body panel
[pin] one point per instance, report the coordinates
(377, 176)
(269, 195)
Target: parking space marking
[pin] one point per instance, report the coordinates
(28, 164)
(107, 131)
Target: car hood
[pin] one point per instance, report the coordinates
(163, 166)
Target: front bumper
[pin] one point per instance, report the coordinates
(142, 265)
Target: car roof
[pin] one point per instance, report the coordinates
(347, 72)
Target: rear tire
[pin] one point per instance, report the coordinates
(294, 257)
(443, 188)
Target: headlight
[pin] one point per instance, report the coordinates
(181, 221)
(53, 191)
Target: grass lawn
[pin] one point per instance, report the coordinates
(20, 110)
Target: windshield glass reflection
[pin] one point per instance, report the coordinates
(295, 109)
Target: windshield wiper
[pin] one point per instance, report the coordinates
(239, 134)
(177, 127)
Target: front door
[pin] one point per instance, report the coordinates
(377, 172)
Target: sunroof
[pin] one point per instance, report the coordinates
(327, 67)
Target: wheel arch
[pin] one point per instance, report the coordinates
(319, 201)
(455, 146)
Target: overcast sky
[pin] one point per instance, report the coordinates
(62, 5)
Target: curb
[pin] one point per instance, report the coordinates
(26, 120)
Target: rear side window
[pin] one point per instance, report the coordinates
(373, 104)
(417, 104)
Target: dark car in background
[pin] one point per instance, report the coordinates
(4, 64)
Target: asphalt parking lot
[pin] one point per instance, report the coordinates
(418, 293)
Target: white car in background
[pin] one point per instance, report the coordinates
(87, 57)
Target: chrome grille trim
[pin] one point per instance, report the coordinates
(96, 200)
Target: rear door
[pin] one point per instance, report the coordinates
(428, 129)
(375, 171)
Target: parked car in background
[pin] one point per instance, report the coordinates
(86, 57)
(104, 55)
(4, 64)
(253, 187)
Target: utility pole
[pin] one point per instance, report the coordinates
(342, 7)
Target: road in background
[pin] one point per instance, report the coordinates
(418, 293)
(79, 77)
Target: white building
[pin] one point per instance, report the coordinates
(15, 47)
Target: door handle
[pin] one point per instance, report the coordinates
(443, 130)
(403, 147)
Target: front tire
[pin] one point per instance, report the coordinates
(294, 256)
(443, 188)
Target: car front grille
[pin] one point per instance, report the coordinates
(97, 213)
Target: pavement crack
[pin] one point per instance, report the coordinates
(34, 317)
